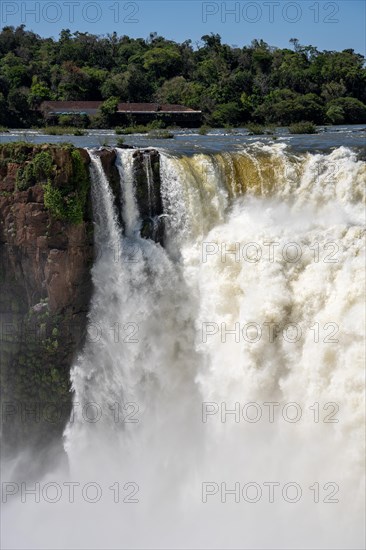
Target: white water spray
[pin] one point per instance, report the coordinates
(200, 341)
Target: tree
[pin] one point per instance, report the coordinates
(18, 105)
(229, 113)
(74, 82)
(172, 91)
(287, 107)
(333, 90)
(335, 114)
(39, 92)
(3, 111)
(14, 71)
(107, 111)
(178, 90)
(212, 41)
(354, 111)
(229, 84)
(162, 61)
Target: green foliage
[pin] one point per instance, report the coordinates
(97, 122)
(25, 177)
(333, 90)
(79, 132)
(16, 152)
(287, 107)
(39, 92)
(231, 85)
(179, 90)
(4, 119)
(107, 111)
(120, 142)
(162, 61)
(255, 129)
(69, 204)
(258, 129)
(109, 107)
(63, 131)
(228, 113)
(34, 371)
(303, 128)
(335, 114)
(43, 166)
(140, 128)
(156, 125)
(160, 134)
(204, 129)
(65, 120)
(352, 109)
(53, 200)
(75, 121)
(36, 171)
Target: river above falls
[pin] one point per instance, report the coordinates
(190, 142)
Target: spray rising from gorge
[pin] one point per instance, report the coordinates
(252, 296)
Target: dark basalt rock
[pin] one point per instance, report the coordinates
(148, 192)
(148, 195)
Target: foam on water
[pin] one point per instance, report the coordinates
(262, 239)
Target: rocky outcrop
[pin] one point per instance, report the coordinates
(46, 250)
(148, 196)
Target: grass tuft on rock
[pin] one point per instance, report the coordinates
(302, 128)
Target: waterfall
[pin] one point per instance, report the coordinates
(107, 230)
(139, 339)
(130, 210)
(150, 182)
(225, 368)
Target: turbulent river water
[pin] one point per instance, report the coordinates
(219, 399)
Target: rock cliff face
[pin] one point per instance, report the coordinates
(46, 252)
(148, 196)
(45, 258)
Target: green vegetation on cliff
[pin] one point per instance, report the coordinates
(34, 376)
(69, 203)
(36, 171)
(232, 85)
(45, 283)
(59, 168)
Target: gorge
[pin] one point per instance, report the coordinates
(156, 307)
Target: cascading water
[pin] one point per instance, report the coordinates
(137, 355)
(231, 356)
(150, 182)
(129, 207)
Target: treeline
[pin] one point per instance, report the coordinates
(231, 85)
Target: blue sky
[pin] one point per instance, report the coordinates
(328, 25)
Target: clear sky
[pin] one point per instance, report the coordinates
(328, 25)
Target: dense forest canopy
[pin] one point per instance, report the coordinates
(231, 85)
